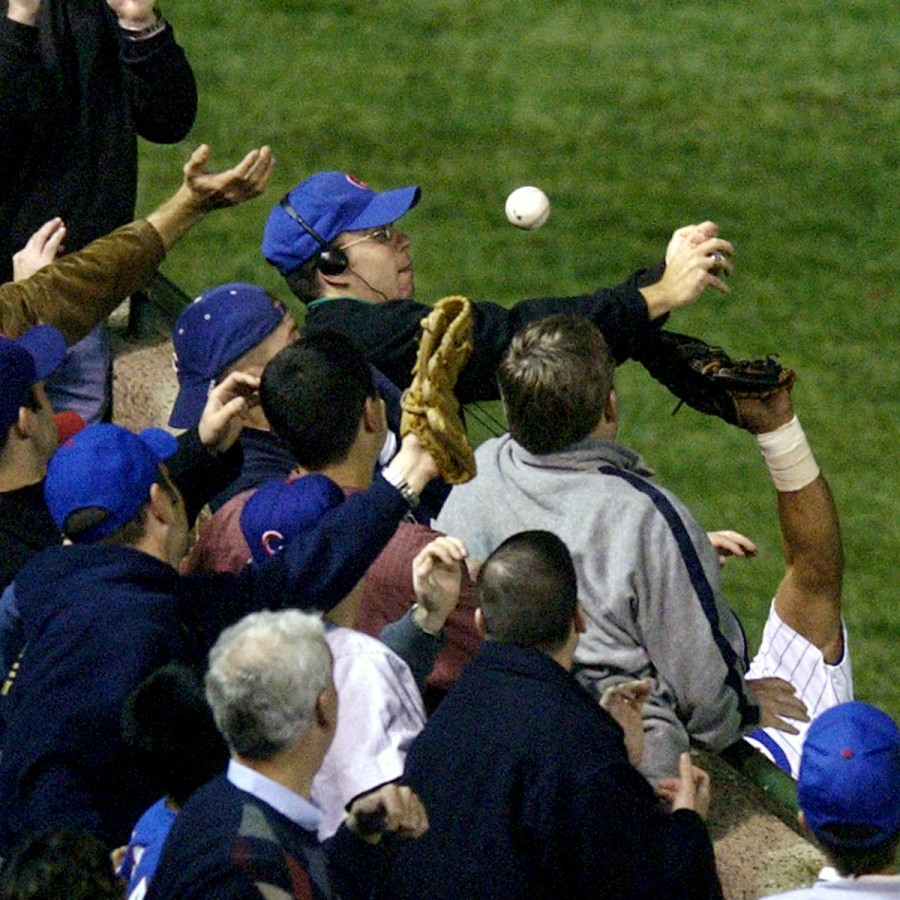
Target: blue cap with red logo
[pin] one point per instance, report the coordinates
(330, 203)
(850, 775)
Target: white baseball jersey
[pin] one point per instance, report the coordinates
(783, 653)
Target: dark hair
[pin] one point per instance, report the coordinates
(303, 281)
(169, 726)
(313, 394)
(527, 590)
(48, 865)
(856, 860)
(555, 379)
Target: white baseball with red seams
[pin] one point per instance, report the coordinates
(527, 207)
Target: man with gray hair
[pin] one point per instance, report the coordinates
(253, 829)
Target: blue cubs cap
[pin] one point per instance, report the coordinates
(850, 774)
(105, 467)
(210, 334)
(330, 203)
(25, 362)
(281, 510)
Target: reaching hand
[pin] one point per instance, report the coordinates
(248, 179)
(695, 258)
(134, 15)
(437, 572)
(625, 703)
(690, 790)
(391, 808)
(778, 701)
(23, 11)
(40, 250)
(222, 418)
(731, 543)
(760, 415)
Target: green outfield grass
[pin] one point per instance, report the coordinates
(777, 120)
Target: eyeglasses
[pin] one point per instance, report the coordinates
(382, 235)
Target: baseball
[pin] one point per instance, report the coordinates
(527, 207)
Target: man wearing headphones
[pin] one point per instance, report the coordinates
(336, 243)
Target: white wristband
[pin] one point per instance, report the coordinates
(789, 457)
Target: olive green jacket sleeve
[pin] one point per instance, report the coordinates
(78, 291)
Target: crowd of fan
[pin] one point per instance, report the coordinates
(357, 682)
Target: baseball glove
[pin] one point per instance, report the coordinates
(430, 408)
(706, 377)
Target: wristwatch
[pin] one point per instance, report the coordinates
(393, 477)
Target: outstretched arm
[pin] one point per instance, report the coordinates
(808, 598)
(79, 290)
(203, 191)
(695, 259)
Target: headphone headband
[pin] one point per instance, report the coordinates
(329, 260)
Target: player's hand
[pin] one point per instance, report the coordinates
(134, 15)
(223, 415)
(437, 573)
(392, 808)
(778, 701)
(625, 703)
(40, 250)
(23, 11)
(695, 259)
(246, 180)
(690, 790)
(760, 415)
(731, 543)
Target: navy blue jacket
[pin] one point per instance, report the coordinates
(99, 619)
(529, 793)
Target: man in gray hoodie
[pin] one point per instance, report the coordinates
(648, 573)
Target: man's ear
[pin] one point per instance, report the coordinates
(326, 708)
(611, 410)
(580, 621)
(374, 415)
(24, 423)
(333, 282)
(160, 504)
(479, 623)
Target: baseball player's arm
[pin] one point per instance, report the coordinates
(808, 598)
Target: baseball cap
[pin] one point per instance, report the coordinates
(281, 510)
(850, 773)
(25, 362)
(330, 203)
(215, 329)
(107, 467)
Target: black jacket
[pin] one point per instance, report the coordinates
(530, 793)
(74, 96)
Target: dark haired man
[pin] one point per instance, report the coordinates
(337, 244)
(101, 615)
(27, 441)
(648, 573)
(849, 796)
(320, 398)
(526, 779)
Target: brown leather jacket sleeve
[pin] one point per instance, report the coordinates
(78, 291)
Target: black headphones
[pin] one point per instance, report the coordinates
(329, 260)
